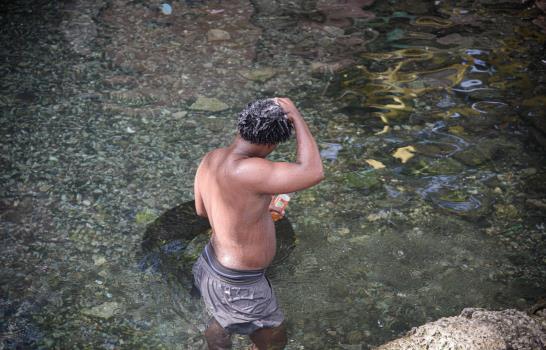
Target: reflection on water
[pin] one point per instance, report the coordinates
(392, 90)
(429, 116)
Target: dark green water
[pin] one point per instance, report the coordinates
(98, 146)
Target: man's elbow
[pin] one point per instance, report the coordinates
(322, 176)
(318, 176)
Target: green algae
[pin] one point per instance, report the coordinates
(145, 217)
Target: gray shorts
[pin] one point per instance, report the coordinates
(242, 301)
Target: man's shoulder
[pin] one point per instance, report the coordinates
(210, 156)
(251, 166)
(213, 153)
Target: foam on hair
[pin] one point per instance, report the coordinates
(264, 122)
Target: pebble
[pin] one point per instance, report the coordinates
(454, 39)
(104, 311)
(99, 260)
(218, 35)
(180, 115)
(343, 231)
(333, 31)
(209, 104)
(259, 74)
(529, 171)
(377, 216)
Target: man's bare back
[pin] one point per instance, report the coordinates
(243, 231)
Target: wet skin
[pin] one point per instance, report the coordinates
(233, 188)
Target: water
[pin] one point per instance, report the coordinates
(99, 146)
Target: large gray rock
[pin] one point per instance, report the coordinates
(475, 329)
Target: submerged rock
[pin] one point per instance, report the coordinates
(475, 156)
(339, 13)
(330, 68)
(536, 204)
(180, 114)
(455, 39)
(362, 180)
(208, 104)
(330, 151)
(104, 311)
(145, 217)
(218, 35)
(442, 166)
(196, 246)
(475, 329)
(507, 211)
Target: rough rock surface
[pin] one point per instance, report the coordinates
(476, 329)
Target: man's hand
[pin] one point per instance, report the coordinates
(288, 107)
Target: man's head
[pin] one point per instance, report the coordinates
(263, 122)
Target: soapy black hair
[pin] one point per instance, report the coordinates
(264, 122)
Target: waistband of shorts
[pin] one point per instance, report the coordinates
(231, 275)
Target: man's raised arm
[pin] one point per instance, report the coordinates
(269, 177)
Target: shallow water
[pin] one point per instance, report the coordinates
(100, 145)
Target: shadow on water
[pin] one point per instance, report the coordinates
(173, 242)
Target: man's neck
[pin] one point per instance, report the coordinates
(246, 149)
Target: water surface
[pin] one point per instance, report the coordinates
(99, 147)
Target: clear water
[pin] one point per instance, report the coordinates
(98, 148)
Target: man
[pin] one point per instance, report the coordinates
(233, 189)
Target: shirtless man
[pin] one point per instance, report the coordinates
(233, 189)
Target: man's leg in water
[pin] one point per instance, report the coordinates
(269, 338)
(217, 337)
